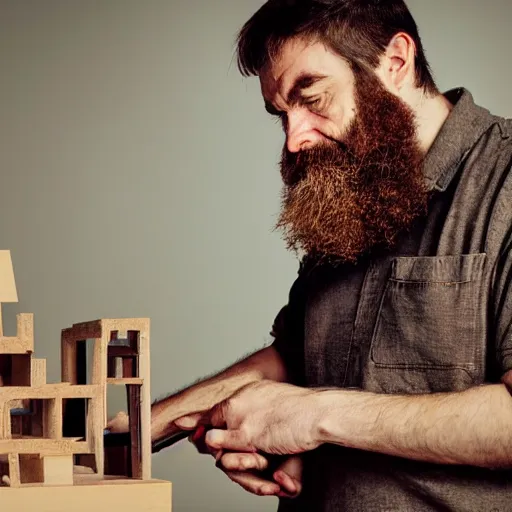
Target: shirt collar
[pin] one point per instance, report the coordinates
(463, 127)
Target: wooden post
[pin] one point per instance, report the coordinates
(14, 469)
(133, 391)
(143, 371)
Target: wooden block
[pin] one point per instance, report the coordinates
(95, 426)
(90, 496)
(58, 469)
(52, 418)
(14, 470)
(23, 342)
(25, 332)
(8, 292)
(85, 330)
(38, 372)
(5, 424)
(68, 359)
(12, 346)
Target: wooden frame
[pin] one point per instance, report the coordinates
(53, 435)
(108, 336)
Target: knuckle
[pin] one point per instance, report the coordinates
(230, 406)
(261, 463)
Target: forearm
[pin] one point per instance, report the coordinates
(472, 427)
(264, 364)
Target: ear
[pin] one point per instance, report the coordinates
(397, 67)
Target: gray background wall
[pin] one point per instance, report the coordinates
(139, 178)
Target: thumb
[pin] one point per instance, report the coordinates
(189, 422)
(233, 440)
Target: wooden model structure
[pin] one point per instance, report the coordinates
(55, 454)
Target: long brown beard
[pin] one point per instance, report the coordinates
(342, 199)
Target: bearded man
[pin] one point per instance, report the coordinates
(386, 387)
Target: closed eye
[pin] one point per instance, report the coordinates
(314, 103)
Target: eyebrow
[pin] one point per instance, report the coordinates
(303, 81)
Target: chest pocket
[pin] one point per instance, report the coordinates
(429, 332)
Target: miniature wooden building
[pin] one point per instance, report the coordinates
(52, 436)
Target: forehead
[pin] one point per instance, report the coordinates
(299, 58)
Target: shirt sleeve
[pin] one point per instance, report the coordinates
(288, 333)
(502, 308)
(500, 237)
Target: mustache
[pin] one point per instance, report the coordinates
(295, 166)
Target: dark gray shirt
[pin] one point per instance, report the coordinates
(432, 315)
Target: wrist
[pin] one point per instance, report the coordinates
(336, 417)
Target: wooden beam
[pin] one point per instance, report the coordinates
(62, 390)
(44, 446)
(52, 418)
(134, 411)
(144, 373)
(14, 470)
(68, 357)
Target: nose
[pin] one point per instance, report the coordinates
(300, 132)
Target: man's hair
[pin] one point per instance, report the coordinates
(358, 30)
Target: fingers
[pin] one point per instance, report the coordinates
(254, 484)
(289, 475)
(242, 461)
(189, 422)
(198, 440)
(233, 440)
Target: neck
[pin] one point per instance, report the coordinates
(431, 113)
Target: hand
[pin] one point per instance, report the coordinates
(254, 472)
(119, 423)
(265, 416)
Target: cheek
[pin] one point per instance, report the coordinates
(342, 119)
(333, 127)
